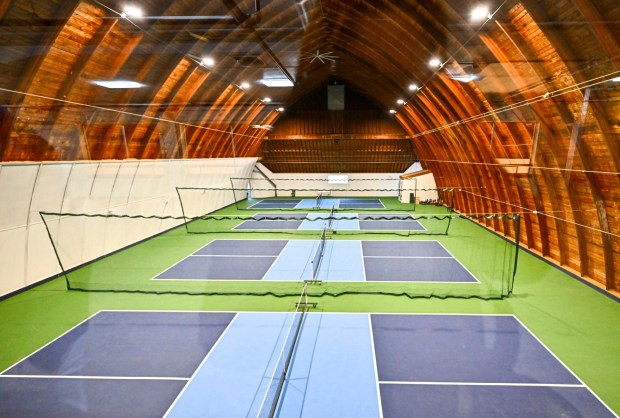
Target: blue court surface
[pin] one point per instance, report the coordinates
(222, 364)
(323, 203)
(342, 222)
(342, 260)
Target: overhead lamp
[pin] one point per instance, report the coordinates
(267, 99)
(207, 62)
(413, 87)
(400, 101)
(480, 13)
(132, 11)
(616, 79)
(392, 111)
(280, 109)
(118, 84)
(435, 62)
(265, 127)
(245, 85)
(277, 82)
(464, 78)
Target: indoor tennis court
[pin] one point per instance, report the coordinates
(310, 208)
(222, 364)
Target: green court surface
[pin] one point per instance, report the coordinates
(579, 324)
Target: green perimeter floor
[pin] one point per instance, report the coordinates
(576, 322)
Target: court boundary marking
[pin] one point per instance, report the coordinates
(199, 367)
(312, 313)
(477, 281)
(529, 332)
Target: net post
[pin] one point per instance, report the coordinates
(182, 209)
(451, 207)
(330, 219)
(49, 234)
(318, 255)
(232, 185)
(415, 192)
(448, 226)
(517, 246)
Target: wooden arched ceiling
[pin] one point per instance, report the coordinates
(536, 131)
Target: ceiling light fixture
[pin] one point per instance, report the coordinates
(400, 101)
(207, 62)
(435, 62)
(265, 127)
(267, 100)
(413, 87)
(118, 84)
(464, 78)
(392, 111)
(277, 82)
(480, 13)
(616, 79)
(132, 12)
(280, 109)
(245, 85)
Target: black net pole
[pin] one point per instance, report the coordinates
(62, 268)
(232, 185)
(517, 245)
(182, 210)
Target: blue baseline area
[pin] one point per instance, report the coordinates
(449, 401)
(342, 261)
(218, 268)
(472, 366)
(86, 397)
(462, 348)
(114, 364)
(243, 247)
(360, 204)
(332, 373)
(404, 249)
(276, 204)
(422, 270)
(129, 344)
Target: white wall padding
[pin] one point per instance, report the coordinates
(146, 187)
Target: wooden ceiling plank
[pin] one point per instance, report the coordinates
(38, 55)
(77, 70)
(566, 52)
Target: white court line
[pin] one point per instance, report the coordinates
(206, 245)
(532, 334)
(374, 360)
(363, 264)
(55, 339)
(36, 376)
(204, 360)
(550, 385)
(401, 256)
(235, 255)
(458, 261)
(563, 364)
(274, 263)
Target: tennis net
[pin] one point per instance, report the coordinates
(318, 255)
(157, 255)
(271, 402)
